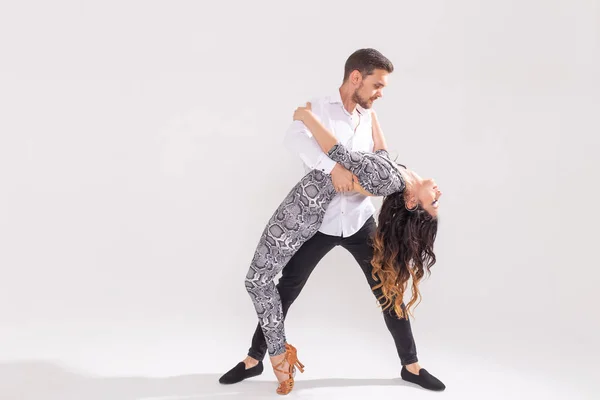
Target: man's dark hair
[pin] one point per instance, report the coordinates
(366, 61)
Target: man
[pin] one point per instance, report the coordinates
(349, 220)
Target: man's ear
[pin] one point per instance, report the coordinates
(355, 77)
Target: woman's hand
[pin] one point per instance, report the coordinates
(324, 138)
(302, 113)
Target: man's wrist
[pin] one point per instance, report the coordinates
(325, 164)
(338, 168)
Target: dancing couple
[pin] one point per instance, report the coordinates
(341, 143)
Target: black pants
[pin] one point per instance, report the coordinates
(296, 273)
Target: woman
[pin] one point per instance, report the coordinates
(403, 245)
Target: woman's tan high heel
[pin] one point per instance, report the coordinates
(291, 356)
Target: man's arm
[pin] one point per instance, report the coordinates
(378, 138)
(358, 187)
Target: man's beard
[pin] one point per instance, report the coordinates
(366, 104)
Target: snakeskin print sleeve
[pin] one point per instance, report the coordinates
(375, 171)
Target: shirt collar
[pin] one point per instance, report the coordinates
(336, 98)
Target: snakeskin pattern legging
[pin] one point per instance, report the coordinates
(296, 220)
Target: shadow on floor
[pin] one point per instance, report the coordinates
(46, 381)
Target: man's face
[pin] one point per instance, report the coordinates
(370, 88)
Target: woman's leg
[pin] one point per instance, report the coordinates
(294, 277)
(296, 220)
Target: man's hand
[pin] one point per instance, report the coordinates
(342, 179)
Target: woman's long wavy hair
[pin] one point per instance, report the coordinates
(403, 249)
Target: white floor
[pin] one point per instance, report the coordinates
(49, 381)
(173, 362)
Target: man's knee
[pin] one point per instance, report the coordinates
(289, 289)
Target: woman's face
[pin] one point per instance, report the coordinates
(428, 196)
(427, 192)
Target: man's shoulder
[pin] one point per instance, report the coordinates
(321, 105)
(319, 100)
(318, 104)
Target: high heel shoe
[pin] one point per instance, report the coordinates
(291, 356)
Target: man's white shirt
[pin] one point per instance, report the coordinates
(347, 212)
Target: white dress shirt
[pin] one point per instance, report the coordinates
(347, 212)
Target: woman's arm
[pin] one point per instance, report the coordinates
(357, 187)
(327, 141)
(378, 138)
(325, 138)
(377, 176)
(351, 160)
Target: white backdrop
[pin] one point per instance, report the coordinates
(141, 155)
